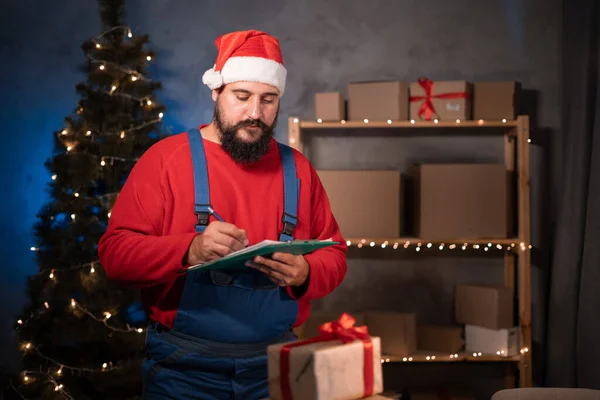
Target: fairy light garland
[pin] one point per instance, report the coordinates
(420, 245)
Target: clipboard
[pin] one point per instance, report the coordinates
(235, 261)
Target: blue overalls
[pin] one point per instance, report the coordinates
(225, 320)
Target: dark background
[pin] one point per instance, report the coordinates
(325, 46)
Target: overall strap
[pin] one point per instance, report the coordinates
(291, 189)
(201, 188)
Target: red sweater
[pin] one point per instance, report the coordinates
(152, 222)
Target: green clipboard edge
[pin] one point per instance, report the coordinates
(236, 262)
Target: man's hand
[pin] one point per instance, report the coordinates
(283, 269)
(217, 240)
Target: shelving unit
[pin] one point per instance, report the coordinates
(516, 251)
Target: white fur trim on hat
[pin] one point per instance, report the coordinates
(250, 69)
(212, 79)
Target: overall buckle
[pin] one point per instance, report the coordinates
(201, 210)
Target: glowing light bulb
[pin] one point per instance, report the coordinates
(98, 45)
(101, 68)
(148, 58)
(160, 115)
(149, 102)
(134, 78)
(103, 163)
(76, 194)
(88, 133)
(54, 177)
(64, 132)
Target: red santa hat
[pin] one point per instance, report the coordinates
(251, 56)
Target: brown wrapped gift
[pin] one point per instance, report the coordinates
(443, 100)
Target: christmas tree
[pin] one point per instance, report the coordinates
(82, 336)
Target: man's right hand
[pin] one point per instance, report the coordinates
(218, 240)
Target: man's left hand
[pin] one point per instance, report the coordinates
(282, 268)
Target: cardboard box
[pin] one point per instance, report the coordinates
(330, 106)
(462, 201)
(365, 204)
(378, 101)
(440, 338)
(496, 100)
(443, 108)
(398, 331)
(484, 305)
(310, 328)
(325, 370)
(501, 342)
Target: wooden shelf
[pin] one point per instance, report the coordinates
(517, 258)
(406, 124)
(435, 357)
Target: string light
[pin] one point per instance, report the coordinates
(76, 306)
(29, 376)
(441, 246)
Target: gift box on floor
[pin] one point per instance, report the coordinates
(343, 363)
(443, 100)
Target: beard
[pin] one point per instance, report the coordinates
(243, 152)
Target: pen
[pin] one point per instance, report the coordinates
(217, 216)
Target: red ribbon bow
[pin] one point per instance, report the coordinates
(427, 106)
(343, 329)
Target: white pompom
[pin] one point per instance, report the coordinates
(212, 79)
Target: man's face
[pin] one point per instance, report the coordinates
(246, 115)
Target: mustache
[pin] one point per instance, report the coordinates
(252, 123)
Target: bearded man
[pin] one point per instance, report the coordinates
(200, 195)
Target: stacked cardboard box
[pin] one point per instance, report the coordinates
(461, 201)
(487, 313)
(399, 101)
(366, 204)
